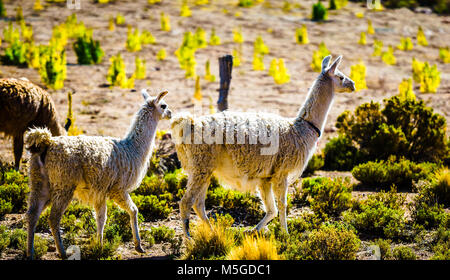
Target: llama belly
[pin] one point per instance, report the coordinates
(88, 195)
(232, 177)
(234, 181)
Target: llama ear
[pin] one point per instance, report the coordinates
(325, 62)
(160, 96)
(335, 65)
(145, 94)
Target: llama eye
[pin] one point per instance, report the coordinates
(163, 106)
(342, 78)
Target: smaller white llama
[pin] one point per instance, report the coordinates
(92, 169)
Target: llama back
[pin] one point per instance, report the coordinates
(26, 105)
(93, 163)
(253, 144)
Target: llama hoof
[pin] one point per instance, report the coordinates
(187, 235)
(139, 249)
(186, 228)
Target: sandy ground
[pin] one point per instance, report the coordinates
(100, 110)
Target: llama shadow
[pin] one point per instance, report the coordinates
(367, 188)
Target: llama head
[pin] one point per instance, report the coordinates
(341, 83)
(157, 104)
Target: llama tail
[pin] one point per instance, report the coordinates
(37, 140)
(181, 125)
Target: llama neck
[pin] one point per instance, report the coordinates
(318, 102)
(142, 133)
(57, 129)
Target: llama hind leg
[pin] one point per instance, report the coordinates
(195, 193)
(60, 200)
(37, 203)
(199, 205)
(267, 197)
(38, 199)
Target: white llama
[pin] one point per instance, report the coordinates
(92, 169)
(242, 163)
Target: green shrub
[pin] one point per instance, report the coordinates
(340, 154)
(147, 38)
(118, 224)
(319, 12)
(175, 180)
(18, 240)
(2, 9)
(151, 207)
(87, 50)
(4, 238)
(15, 54)
(429, 78)
(400, 3)
(385, 248)
(440, 187)
(52, 66)
(13, 192)
(162, 234)
(441, 247)
(337, 4)
(116, 73)
(404, 127)
(210, 244)
(140, 70)
(379, 215)
(328, 242)
(384, 174)
(327, 197)
(93, 250)
(315, 163)
(238, 204)
(318, 56)
(296, 227)
(444, 54)
(427, 207)
(441, 6)
(246, 3)
(133, 43)
(5, 207)
(427, 215)
(78, 219)
(403, 253)
(167, 187)
(151, 185)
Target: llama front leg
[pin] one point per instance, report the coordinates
(18, 150)
(280, 191)
(124, 201)
(269, 203)
(100, 216)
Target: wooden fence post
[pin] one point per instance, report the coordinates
(225, 68)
